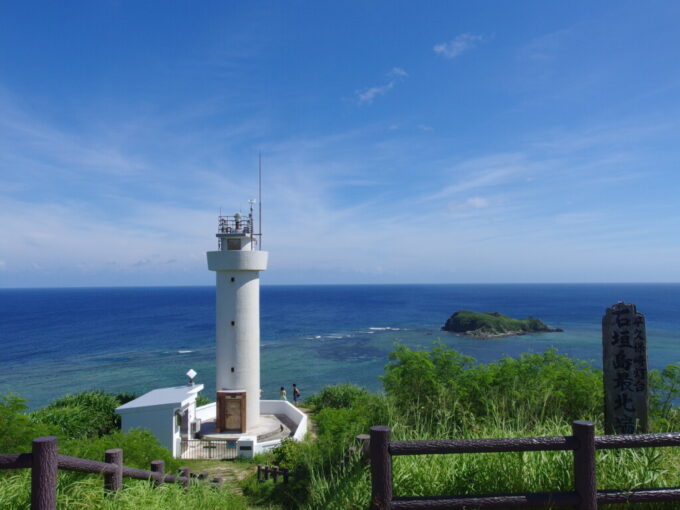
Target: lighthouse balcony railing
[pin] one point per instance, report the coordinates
(232, 225)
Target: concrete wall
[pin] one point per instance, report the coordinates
(160, 421)
(237, 327)
(286, 408)
(207, 412)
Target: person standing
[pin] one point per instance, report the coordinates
(296, 393)
(282, 394)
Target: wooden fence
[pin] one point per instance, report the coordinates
(264, 473)
(45, 462)
(583, 443)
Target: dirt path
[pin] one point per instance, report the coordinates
(231, 472)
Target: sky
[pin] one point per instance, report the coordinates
(401, 142)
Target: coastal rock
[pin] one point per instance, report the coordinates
(493, 325)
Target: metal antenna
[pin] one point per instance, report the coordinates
(259, 200)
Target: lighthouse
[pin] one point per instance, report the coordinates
(237, 264)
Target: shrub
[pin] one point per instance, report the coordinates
(202, 400)
(17, 430)
(533, 386)
(338, 396)
(87, 414)
(139, 447)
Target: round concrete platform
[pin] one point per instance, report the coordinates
(269, 427)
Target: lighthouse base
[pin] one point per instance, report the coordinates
(278, 420)
(269, 427)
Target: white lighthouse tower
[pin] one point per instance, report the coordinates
(237, 265)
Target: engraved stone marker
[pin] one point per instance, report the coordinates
(624, 345)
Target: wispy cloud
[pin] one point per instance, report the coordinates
(367, 96)
(546, 46)
(473, 203)
(458, 45)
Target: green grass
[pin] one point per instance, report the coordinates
(440, 394)
(349, 487)
(77, 492)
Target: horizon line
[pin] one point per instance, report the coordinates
(75, 287)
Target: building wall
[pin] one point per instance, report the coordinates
(207, 412)
(160, 421)
(238, 344)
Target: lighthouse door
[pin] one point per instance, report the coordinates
(231, 415)
(233, 418)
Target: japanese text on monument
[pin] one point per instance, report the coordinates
(624, 342)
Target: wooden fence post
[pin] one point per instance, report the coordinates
(381, 468)
(114, 481)
(44, 468)
(185, 471)
(158, 467)
(364, 441)
(585, 480)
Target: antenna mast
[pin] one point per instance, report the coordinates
(259, 198)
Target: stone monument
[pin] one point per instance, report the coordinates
(624, 360)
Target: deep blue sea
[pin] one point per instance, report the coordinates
(59, 341)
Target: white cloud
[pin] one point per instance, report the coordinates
(398, 72)
(367, 96)
(458, 45)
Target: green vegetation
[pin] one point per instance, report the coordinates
(429, 394)
(87, 414)
(202, 400)
(440, 394)
(494, 324)
(86, 427)
(85, 493)
(17, 429)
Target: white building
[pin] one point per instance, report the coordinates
(169, 413)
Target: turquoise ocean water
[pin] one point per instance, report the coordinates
(58, 341)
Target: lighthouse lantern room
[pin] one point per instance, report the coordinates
(237, 264)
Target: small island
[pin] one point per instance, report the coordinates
(493, 325)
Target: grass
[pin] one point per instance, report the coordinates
(78, 492)
(349, 487)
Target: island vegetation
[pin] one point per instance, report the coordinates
(428, 394)
(493, 325)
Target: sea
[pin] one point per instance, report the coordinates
(59, 341)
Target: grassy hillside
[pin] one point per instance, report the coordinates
(440, 394)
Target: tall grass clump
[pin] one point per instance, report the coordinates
(87, 493)
(86, 414)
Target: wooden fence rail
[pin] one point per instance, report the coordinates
(583, 443)
(44, 462)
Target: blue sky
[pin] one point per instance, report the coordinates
(433, 142)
